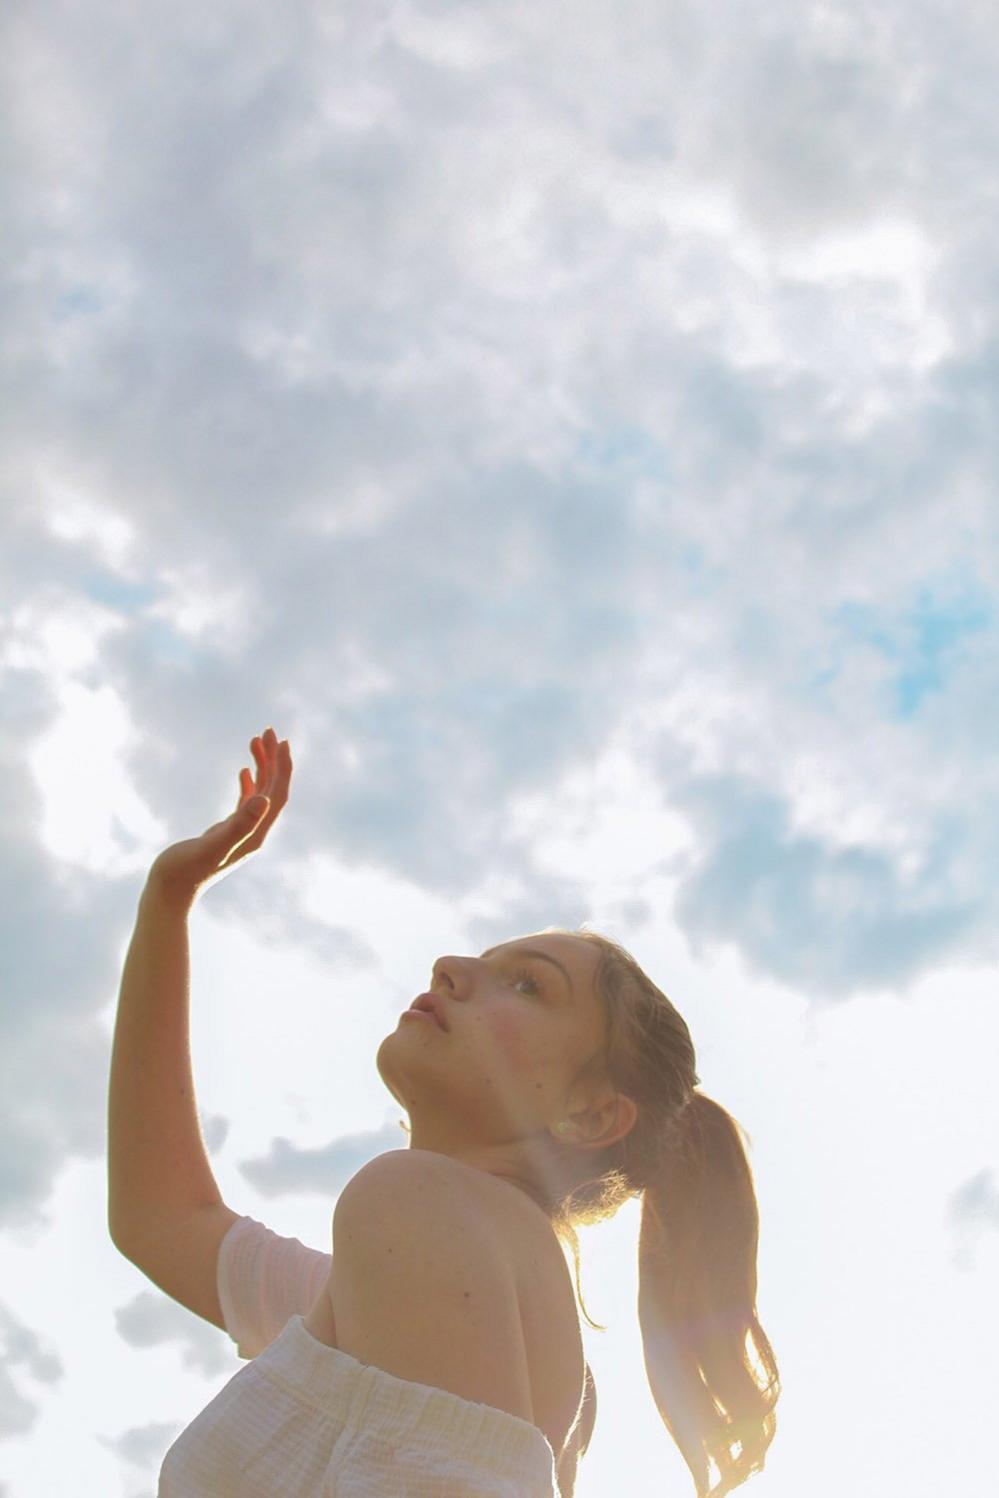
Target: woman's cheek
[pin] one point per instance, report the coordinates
(510, 1045)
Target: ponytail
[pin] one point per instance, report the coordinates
(697, 1300)
(710, 1366)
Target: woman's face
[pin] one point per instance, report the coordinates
(522, 1019)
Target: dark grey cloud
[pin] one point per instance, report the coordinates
(144, 1446)
(972, 1211)
(23, 1360)
(323, 1171)
(156, 1320)
(58, 932)
(826, 920)
(976, 1201)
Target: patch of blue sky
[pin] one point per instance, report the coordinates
(165, 647)
(691, 558)
(627, 447)
(117, 593)
(925, 641)
(78, 301)
(632, 451)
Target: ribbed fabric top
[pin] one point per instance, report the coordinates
(305, 1420)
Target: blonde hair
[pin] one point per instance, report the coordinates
(709, 1363)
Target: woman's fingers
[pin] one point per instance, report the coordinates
(273, 761)
(271, 749)
(257, 749)
(195, 864)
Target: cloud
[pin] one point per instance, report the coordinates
(323, 1171)
(150, 1320)
(22, 1354)
(976, 1201)
(57, 928)
(143, 1445)
(972, 1209)
(475, 407)
(826, 920)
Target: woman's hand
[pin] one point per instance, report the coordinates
(182, 871)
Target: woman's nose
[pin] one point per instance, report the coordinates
(453, 970)
(440, 972)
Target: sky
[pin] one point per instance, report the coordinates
(574, 429)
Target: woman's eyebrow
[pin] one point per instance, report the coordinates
(533, 952)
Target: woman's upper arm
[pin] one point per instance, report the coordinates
(179, 1252)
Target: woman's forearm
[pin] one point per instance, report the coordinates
(156, 1156)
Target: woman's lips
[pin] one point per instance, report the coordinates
(422, 1014)
(430, 1002)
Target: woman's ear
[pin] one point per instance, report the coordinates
(622, 1118)
(599, 1125)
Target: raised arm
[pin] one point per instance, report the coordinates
(163, 1199)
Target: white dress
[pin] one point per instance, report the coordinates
(305, 1420)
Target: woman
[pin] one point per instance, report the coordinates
(437, 1350)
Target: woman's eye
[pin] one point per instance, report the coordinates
(527, 978)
